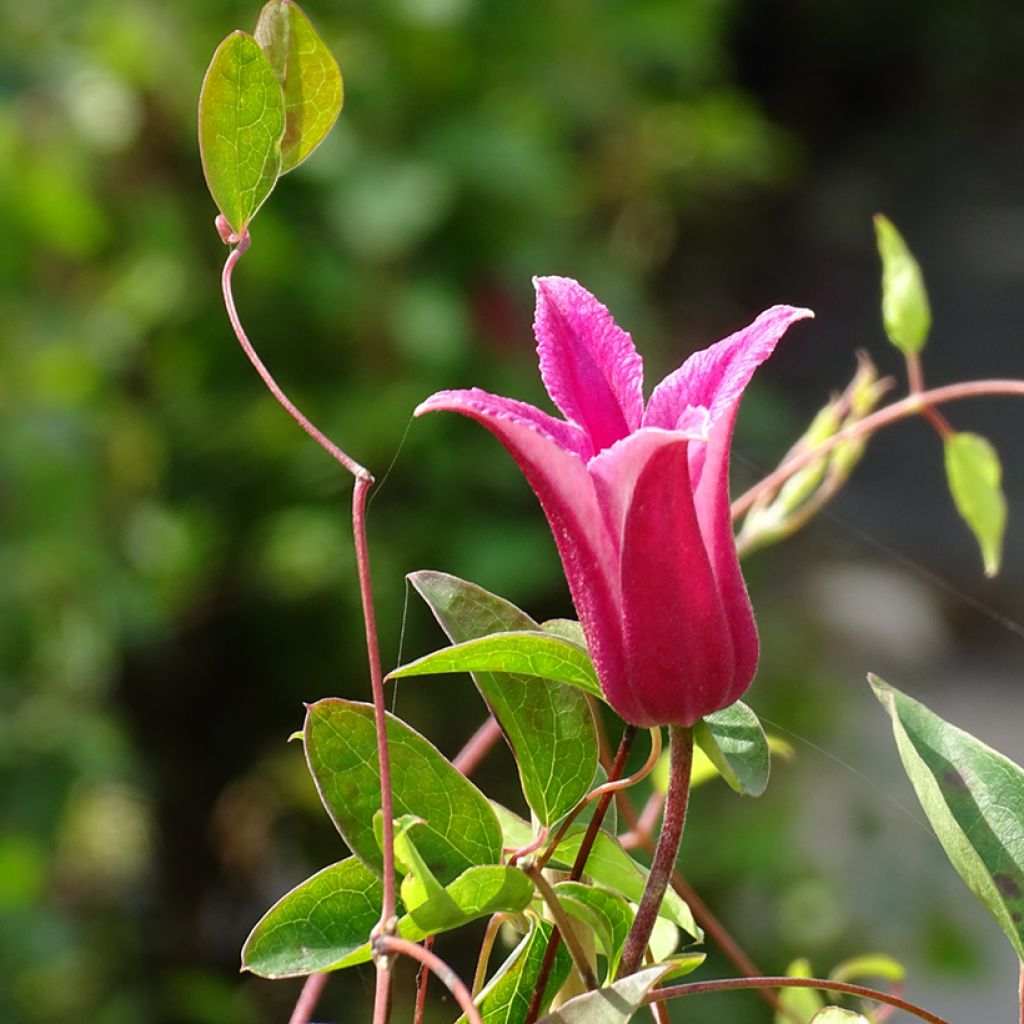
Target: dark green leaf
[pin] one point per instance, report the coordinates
(614, 1004)
(974, 799)
(905, 311)
(341, 749)
(318, 925)
(975, 475)
(241, 121)
(549, 725)
(506, 997)
(736, 745)
(308, 74)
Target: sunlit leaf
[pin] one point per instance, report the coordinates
(975, 475)
(973, 797)
(607, 914)
(869, 965)
(241, 122)
(309, 76)
(735, 743)
(614, 1004)
(905, 311)
(837, 1015)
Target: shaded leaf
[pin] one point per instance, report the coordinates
(905, 311)
(320, 923)
(341, 749)
(308, 74)
(241, 121)
(549, 725)
(973, 797)
(975, 481)
(505, 999)
(607, 914)
(614, 1004)
(735, 743)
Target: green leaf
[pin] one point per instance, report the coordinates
(607, 914)
(798, 1003)
(869, 965)
(461, 830)
(974, 474)
(973, 797)
(614, 1004)
(506, 997)
(317, 925)
(735, 743)
(837, 1015)
(549, 725)
(905, 311)
(309, 76)
(241, 121)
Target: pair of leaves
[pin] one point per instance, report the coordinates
(266, 103)
(973, 797)
(807, 1006)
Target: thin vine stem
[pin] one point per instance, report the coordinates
(663, 865)
(308, 998)
(696, 988)
(363, 483)
(388, 945)
(1020, 992)
(478, 746)
(912, 405)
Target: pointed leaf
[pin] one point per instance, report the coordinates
(869, 965)
(973, 797)
(736, 745)
(549, 725)
(614, 1004)
(341, 749)
(974, 474)
(837, 1015)
(309, 76)
(320, 923)
(505, 999)
(241, 121)
(905, 311)
(798, 1004)
(604, 912)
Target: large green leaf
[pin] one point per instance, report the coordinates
(505, 999)
(974, 799)
(317, 925)
(975, 475)
(460, 828)
(549, 725)
(241, 121)
(905, 310)
(308, 74)
(614, 1004)
(736, 745)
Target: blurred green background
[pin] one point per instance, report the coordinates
(176, 574)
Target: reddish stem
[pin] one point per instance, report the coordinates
(676, 801)
(388, 944)
(363, 482)
(915, 379)
(308, 998)
(912, 405)
(421, 985)
(478, 746)
(697, 988)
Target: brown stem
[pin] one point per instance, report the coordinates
(478, 746)
(386, 945)
(308, 998)
(915, 378)
(363, 482)
(697, 988)
(589, 838)
(912, 405)
(422, 976)
(676, 801)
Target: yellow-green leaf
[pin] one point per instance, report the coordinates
(241, 122)
(975, 475)
(309, 76)
(905, 310)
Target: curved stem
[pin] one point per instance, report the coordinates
(915, 378)
(388, 944)
(697, 988)
(308, 998)
(912, 405)
(680, 764)
(563, 924)
(421, 986)
(490, 935)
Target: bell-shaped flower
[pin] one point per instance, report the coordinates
(638, 501)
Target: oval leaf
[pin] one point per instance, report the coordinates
(308, 74)
(317, 925)
(975, 475)
(973, 797)
(548, 724)
(241, 121)
(905, 311)
(614, 1004)
(869, 965)
(736, 745)
(837, 1015)
(341, 749)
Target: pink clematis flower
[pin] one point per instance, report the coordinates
(638, 501)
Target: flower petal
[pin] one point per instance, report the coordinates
(590, 367)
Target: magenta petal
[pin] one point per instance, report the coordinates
(679, 659)
(589, 365)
